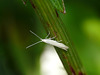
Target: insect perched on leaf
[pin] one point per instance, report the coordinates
(49, 41)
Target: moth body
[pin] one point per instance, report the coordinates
(55, 43)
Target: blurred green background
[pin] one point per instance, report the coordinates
(82, 21)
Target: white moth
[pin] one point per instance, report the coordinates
(49, 41)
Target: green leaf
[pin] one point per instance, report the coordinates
(59, 5)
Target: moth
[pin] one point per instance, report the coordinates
(49, 41)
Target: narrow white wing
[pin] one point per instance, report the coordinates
(55, 43)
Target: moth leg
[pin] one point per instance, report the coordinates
(53, 37)
(59, 40)
(47, 35)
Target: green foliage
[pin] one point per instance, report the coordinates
(82, 21)
(59, 5)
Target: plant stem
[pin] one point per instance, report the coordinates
(52, 22)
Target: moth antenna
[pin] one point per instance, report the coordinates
(33, 44)
(35, 35)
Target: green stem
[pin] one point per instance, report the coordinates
(52, 22)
